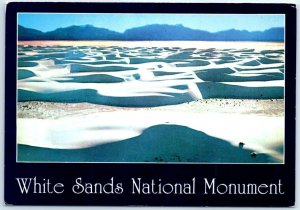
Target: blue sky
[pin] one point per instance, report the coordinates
(121, 22)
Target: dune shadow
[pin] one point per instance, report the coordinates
(224, 75)
(220, 90)
(92, 96)
(139, 60)
(224, 61)
(164, 73)
(93, 78)
(24, 74)
(159, 143)
(181, 55)
(244, 51)
(265, 60)
(27, 64)
(84, 68)
(279, 149)
(188, 63)
(251, 63)
(258, 68)
(264, 52)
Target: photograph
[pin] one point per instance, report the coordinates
(150, 88)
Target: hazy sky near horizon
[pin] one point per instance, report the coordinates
(120, 22)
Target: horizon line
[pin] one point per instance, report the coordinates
(84, 25)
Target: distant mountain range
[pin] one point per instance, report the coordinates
(150, 32)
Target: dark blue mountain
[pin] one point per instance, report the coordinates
(272, 34)
(150, 32)
(165, 32)
(86, 32)
(29, 34)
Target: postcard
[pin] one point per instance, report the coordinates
(150, 104)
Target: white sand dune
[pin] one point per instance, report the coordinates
(165, 75)
(261, 134)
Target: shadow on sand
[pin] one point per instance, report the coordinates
(159, 143)
(92, 96)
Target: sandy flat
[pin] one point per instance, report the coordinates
(198, 44)
(52, 110)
